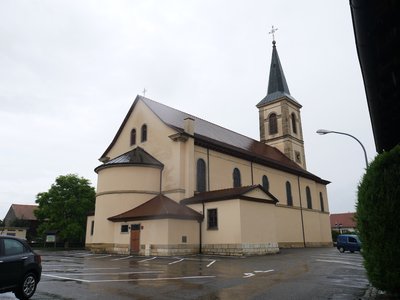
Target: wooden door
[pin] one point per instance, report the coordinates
(135, 238)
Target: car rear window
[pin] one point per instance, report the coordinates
(352, 240)
(13, 247)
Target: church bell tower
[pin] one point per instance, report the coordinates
(279, 113)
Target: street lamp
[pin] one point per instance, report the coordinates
(324, 131)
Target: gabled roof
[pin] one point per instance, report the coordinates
(215, 137)
(24, 211)
(137, 156)
(228, 194)
(277, 85)
(159, 207)
(346, 220)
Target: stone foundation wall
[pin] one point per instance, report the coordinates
(240, 249)
(301, 244)
(108, 248)
(169, 250)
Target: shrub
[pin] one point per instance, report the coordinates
(378, 220)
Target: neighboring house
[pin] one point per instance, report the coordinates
(22, 215)
(172, 183)
(14, 231)
(343, 222)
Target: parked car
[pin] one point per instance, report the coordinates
(348, 242)
(20, 267)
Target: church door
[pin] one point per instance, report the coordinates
(135, 238)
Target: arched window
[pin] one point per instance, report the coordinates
(289, 194)
(133, 136)
(265, 182)
(237, 182)
(144, 133)
(321, 201)
(201, 175)
(273, 124)
(294, 127)
(309, 200)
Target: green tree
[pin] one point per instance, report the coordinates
(64, 207)
(377, 221)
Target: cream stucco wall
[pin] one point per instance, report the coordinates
(229, 228)
(289, 227)
(128, 179)
(159, 232)
(110, 205)
(258, 222)
(160, 146)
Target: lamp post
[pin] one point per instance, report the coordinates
(324, 131)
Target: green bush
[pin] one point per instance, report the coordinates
(378, 221)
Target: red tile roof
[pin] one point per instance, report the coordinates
(159, 207)
(220, 139)
(346, 219)
(24, 211)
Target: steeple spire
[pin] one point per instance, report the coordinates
(277, 85)
(279, 114)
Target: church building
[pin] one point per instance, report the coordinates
(171, 183)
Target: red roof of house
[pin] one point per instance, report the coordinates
(160, 207)
(346, 219)
(24, 211)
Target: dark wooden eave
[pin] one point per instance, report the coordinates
(376, 25)
(230, 194)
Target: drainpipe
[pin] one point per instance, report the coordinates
(301, 212)
(208, 173)
(161, 180)
(252, 177)
(201, 236)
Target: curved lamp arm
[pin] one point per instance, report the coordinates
(324, 131)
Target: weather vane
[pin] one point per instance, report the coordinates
(273, 30)
(144, 92)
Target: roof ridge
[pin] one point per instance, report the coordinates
(204, 120)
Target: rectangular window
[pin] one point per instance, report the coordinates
(92, 228)
(124, 228)
(212, 218)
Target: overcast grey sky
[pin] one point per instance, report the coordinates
(69, 71)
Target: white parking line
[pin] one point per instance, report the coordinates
(117, 273)
(148, 259)
(78, 269)
(175, 262)
(103, 256)
(267, 271)
(210, 264)
(87, 254)
(128, 280)
(340, 262)
(126, 257)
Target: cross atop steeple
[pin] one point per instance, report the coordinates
(273, 30)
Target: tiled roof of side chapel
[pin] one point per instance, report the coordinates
(137, 156)
(159, 207)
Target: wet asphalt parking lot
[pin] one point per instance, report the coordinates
(313, 273)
